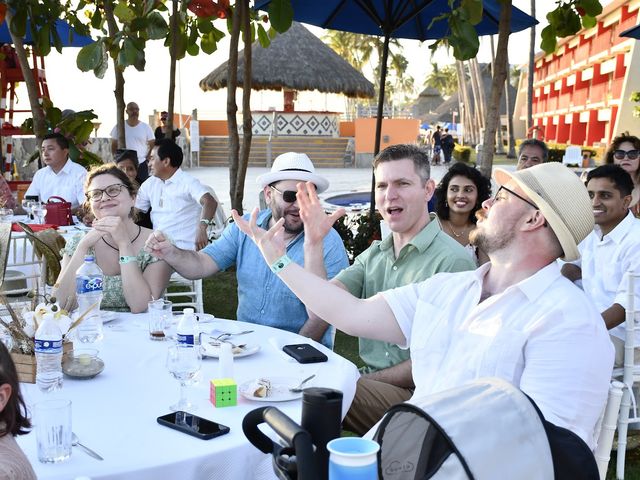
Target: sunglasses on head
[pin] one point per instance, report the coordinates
(630, 154)
(288, 196)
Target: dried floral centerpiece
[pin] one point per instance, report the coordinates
(24, 324)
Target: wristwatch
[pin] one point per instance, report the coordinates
(206, 222)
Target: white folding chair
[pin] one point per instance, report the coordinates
(572, 156)
(629, 374)
(608, 423)
(183, 287)
(23, 260)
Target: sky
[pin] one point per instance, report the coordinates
(71, 88)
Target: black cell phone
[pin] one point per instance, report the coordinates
(305, 353)
(32, 197)
(193, 425)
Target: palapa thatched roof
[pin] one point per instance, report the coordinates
(427, 102)
(296, 60)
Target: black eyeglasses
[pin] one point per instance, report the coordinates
(112, 191)
(631, 154)
(515, 195)
(288, 196)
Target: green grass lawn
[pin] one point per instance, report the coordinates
(220, 299)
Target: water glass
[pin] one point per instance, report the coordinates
(353, 458)
(52, 419)
(183, 362)
(39, 211)
(6, 215)
(160, 317)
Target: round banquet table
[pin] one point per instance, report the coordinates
(115, 413)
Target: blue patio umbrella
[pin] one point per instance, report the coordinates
(68, 36)
(410, 19)
(633, 32)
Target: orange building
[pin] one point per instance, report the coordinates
(581, 92)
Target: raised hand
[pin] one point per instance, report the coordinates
(270, 242)
(115, 227)
(158, 245)
(317, 223)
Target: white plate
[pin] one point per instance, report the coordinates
(209, 350)
(205, 317)
(279, 390)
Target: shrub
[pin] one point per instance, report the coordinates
(461, 153)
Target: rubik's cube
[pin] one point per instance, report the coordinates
(223, 392)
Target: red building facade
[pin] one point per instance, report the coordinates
(581, 91)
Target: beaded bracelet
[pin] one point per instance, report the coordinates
(280, 264)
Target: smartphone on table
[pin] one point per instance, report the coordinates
(193, 425)
(305, 353)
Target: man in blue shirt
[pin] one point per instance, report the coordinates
(262, 297)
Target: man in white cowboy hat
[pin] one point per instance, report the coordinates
(516, 317)
(262, 297)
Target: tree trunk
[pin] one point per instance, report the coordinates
(499, 139)
(247, 134)
(172, 69)
(497, 85)
(477, 86)
(232, 107)
(532, 57)
(507, 96)
(39, 126)
(119, 89)
(468, 105)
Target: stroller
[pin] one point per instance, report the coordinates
(484, 430)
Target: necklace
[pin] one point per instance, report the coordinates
(133, 240)
(457, 235)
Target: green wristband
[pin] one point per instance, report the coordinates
(280, 264)
(127, 259)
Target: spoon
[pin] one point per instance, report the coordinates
(75, 441)
(298, 388)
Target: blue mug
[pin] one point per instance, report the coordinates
(353, 458)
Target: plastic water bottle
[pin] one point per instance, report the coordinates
(187, 328)
(48, 347)
(89, 295)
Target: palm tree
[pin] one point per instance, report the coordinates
(532, 56)
(442, 79)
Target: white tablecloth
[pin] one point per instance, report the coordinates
(115, 413)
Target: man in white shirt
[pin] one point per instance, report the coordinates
(610, 251)
(516, 317)
(181, 206)
(60, 177)
(138, 137)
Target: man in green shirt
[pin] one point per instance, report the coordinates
(416, 250)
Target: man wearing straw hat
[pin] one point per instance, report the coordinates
(516, 317)
(262, 297)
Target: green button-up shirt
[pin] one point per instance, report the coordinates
(376, 269)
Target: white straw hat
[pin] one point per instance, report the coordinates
(561, 197)
(293, 166)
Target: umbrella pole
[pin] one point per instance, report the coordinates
(376, 149)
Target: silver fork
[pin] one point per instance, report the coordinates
(227, 334)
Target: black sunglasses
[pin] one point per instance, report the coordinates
(631, 154)
(515, 195)
(288, 196)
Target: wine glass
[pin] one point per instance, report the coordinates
(183, 362)
(40, 211)
(27, 205)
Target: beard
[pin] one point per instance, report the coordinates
(486, 241)
(290, 227)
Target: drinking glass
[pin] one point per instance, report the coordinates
(52, 420)
(159, 318)
(40, 211)
(6, 215)
(183, 362)
(353, 458)
(27, 205)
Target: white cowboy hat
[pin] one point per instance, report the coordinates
(561, 197)
(293, 166)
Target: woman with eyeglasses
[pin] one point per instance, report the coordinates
(132, 277)
(625, 151)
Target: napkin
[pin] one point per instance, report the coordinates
(273, 341)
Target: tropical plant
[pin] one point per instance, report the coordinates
(635, 97)
(75, 126)
(444, 79)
